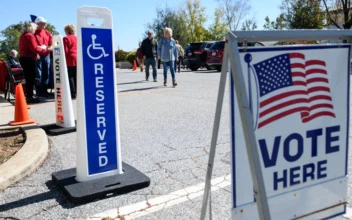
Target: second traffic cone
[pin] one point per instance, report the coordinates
(21, 111)
(134, 65)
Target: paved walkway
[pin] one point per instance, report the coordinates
(165, 133)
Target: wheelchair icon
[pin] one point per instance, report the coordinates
(96, 46)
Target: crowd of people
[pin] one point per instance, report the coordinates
(35, 58)
(167, 50)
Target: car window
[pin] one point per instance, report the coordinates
(209, 45)
(250, 44)
(218, 45)
(195, 46)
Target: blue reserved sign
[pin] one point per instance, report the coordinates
(99, 98)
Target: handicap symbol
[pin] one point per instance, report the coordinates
(96, 46)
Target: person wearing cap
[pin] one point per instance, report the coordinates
(70, 46)
(29, 50)
(149, 50)
(44, 39)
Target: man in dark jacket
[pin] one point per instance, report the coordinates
(149, 50)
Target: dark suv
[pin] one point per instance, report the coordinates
(196, 55)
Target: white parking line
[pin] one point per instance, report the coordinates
(156, 204)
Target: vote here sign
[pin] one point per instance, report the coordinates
(299, 99)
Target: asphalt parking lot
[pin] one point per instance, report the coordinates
(165, 133)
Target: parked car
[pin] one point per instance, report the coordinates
(196, 55)
(216, 52)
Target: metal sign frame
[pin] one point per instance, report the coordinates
(232, 62)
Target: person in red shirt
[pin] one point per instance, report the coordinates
(29, 51)
(139, 56)
(70, 45)
(44, 39)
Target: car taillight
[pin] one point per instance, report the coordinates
(198, 51)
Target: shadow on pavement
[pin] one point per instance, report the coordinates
(206, 71)
(127, 83)
(141, 89)
(2, 100)
(53, 193)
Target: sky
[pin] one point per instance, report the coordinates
(129, 16)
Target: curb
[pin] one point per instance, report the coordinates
(32, 154)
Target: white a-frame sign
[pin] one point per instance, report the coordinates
(289, 125)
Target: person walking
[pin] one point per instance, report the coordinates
(149, 50)
(44, 38)
(180, 52)
(29, 53)
(70, 46)
(168, 54)
(139, 57)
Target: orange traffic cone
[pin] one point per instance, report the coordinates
(134, 65)
(21, 112)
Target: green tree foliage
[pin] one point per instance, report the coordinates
(206, 34)
(9, 39)
(194, 15)
(298, 14)
(51, 28)
(278, 24)
(218, 29)
(11, 35)
(120, 55)
(249, 25)
(305, 14)
(131, 56)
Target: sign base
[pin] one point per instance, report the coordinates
(84, 192)
(54, 130)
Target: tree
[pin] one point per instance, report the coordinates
(206, 34)
(120, 55)
(298, 14)
(249, 25)
(305, 14)
(338, 10)
(167, 17)
(11, 35)
(131, 56)
(51, 28)
(194, 15)
(218, 29)
(278, 24)
(234, 11)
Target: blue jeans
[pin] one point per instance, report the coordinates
(148, 62)
(166, 66)
(42, 73)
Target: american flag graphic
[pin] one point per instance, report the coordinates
(290, 84)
